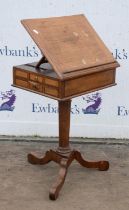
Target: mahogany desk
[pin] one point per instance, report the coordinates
(75, 62)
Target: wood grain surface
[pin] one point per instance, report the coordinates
(69, 43)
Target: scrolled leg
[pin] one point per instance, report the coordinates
(54, 191)
(34, 159)
(103, 165)
(100, 165)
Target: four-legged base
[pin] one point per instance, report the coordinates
(64, 160)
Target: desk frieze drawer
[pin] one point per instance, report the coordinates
(51, 91)
(54, 83)
(34, 82)
(35, 78)
(21, 83)
(89, 82)
(21, 74)
(29, 85)
(35, 86)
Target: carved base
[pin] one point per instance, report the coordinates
(64, 160)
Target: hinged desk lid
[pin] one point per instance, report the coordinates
(69, 43)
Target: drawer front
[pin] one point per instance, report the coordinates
(21, 74)
(22, 83)
(51, 91)
(51, 82)
(89, 82)
(35, 78)
(35, 86)
(34, 82)
(29, 84)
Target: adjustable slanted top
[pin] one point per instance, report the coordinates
(70, 45)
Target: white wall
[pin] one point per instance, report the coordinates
(37, 115)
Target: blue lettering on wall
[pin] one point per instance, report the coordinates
(26, 52)
(122, 111)
(36, 107)
(33, 51)
(120, 54)
(49, 108)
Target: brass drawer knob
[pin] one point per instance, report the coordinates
(34, 85)
(36, 78)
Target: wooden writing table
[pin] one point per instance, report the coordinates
(75, 62)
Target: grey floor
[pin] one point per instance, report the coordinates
(25, 187)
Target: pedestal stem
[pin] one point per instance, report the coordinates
(64, 124)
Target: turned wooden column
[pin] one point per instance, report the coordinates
(64, 126)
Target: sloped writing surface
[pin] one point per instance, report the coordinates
(69, 43)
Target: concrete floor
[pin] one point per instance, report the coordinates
(25, 187)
